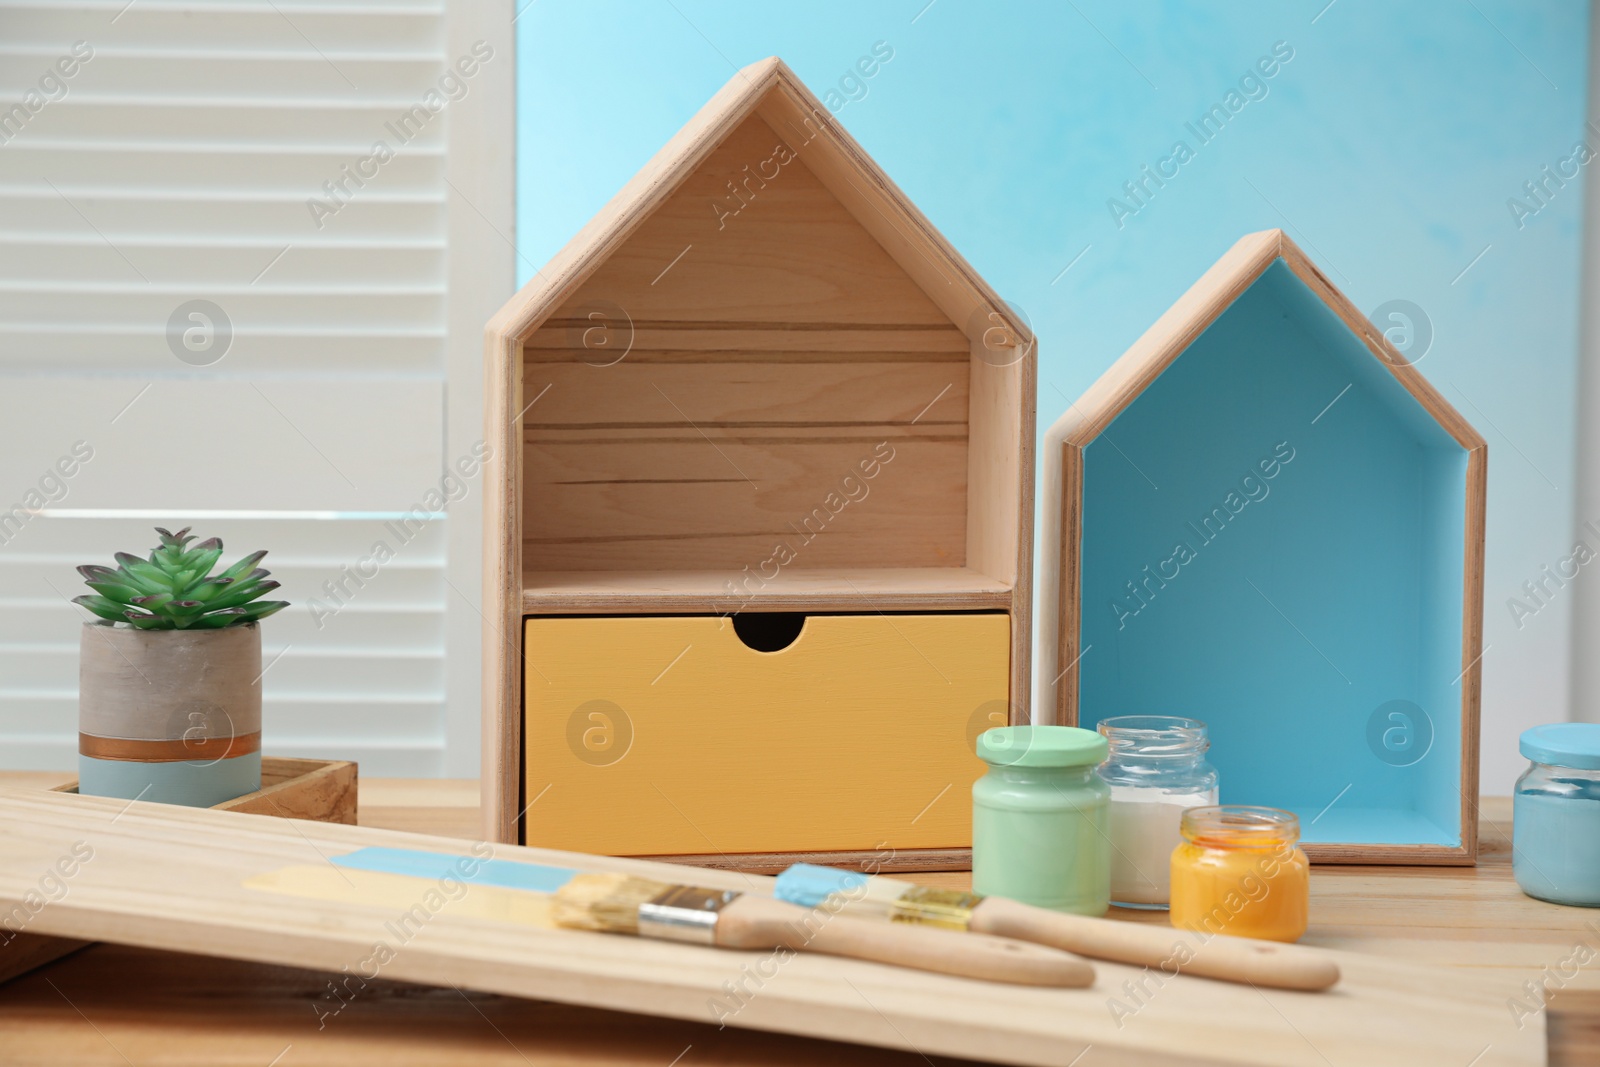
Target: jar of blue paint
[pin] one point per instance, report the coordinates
(1556, 815)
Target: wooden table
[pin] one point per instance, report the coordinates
(118, 1006)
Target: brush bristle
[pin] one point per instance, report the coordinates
(605, 902)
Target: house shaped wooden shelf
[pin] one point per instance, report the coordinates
(759, 530)
(1264, 517)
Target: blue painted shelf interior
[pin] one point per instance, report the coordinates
(1313, 618)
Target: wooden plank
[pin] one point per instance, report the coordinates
(750, 392)
(501, 768)
(290, 788)
(727, 500)
(907, 863)
(1000, 478)
(170, 1009)
(165, 877)
(586, 336)
(791, 589)
(1063, 572)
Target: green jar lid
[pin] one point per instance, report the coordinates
(1041, 746)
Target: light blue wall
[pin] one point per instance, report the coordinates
(1388, 147)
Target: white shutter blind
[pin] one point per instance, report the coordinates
(174, 164)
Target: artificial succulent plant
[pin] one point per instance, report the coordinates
(175, 590)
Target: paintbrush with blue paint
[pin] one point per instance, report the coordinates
(624, 904)
(1232, 959)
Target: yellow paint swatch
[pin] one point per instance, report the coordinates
(401, 893)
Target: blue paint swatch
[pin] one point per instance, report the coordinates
(808, 885)
(436, 866)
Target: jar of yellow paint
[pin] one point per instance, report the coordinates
(1240, 871)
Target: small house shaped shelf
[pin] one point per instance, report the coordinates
(1264, 517)
(758, 550)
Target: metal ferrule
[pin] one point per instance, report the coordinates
(684, 913)
(928, 906)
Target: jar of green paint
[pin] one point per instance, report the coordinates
(1040, 824)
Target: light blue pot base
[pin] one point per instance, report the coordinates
(200, 784)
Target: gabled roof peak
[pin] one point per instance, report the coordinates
(1243, 264)
(770, 89)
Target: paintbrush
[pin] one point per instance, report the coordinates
(621, 904)
(1233, 959)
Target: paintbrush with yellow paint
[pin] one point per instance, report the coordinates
(621, 904)
(893, 902)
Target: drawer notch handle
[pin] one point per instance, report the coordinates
(769, 631)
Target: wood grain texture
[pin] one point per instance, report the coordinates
(603, 340)
(907, 863)
(885, 211)
(1000, 477)
(321, 790)
(858, 736)
(700, 368)
(170, 1009)
(725, 498)
(676, 592)
(1134, 372)
(166, 1009)
(170, 878)
(752, 236)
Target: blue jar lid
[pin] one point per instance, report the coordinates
(1564, 744)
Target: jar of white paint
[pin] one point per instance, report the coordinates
(1156, 768)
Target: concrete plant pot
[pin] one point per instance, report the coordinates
(172, 716)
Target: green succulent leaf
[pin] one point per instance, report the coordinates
(243, 595)
(245, 565)
(117, 590)
(216, 620)
(175, 589)
(261, 609)
(106, 609)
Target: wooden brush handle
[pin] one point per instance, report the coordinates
(752, 922)
(1234, 959)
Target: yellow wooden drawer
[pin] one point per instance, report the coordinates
(671, 736)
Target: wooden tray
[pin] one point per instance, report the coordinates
(320, 790)
(172, 878)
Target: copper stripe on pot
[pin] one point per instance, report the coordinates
(178, 750)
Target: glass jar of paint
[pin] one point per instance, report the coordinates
(1240, 871)
(1555, 851)
(1156, 768)
(1039, 819)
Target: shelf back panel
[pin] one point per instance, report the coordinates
(750, 381)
